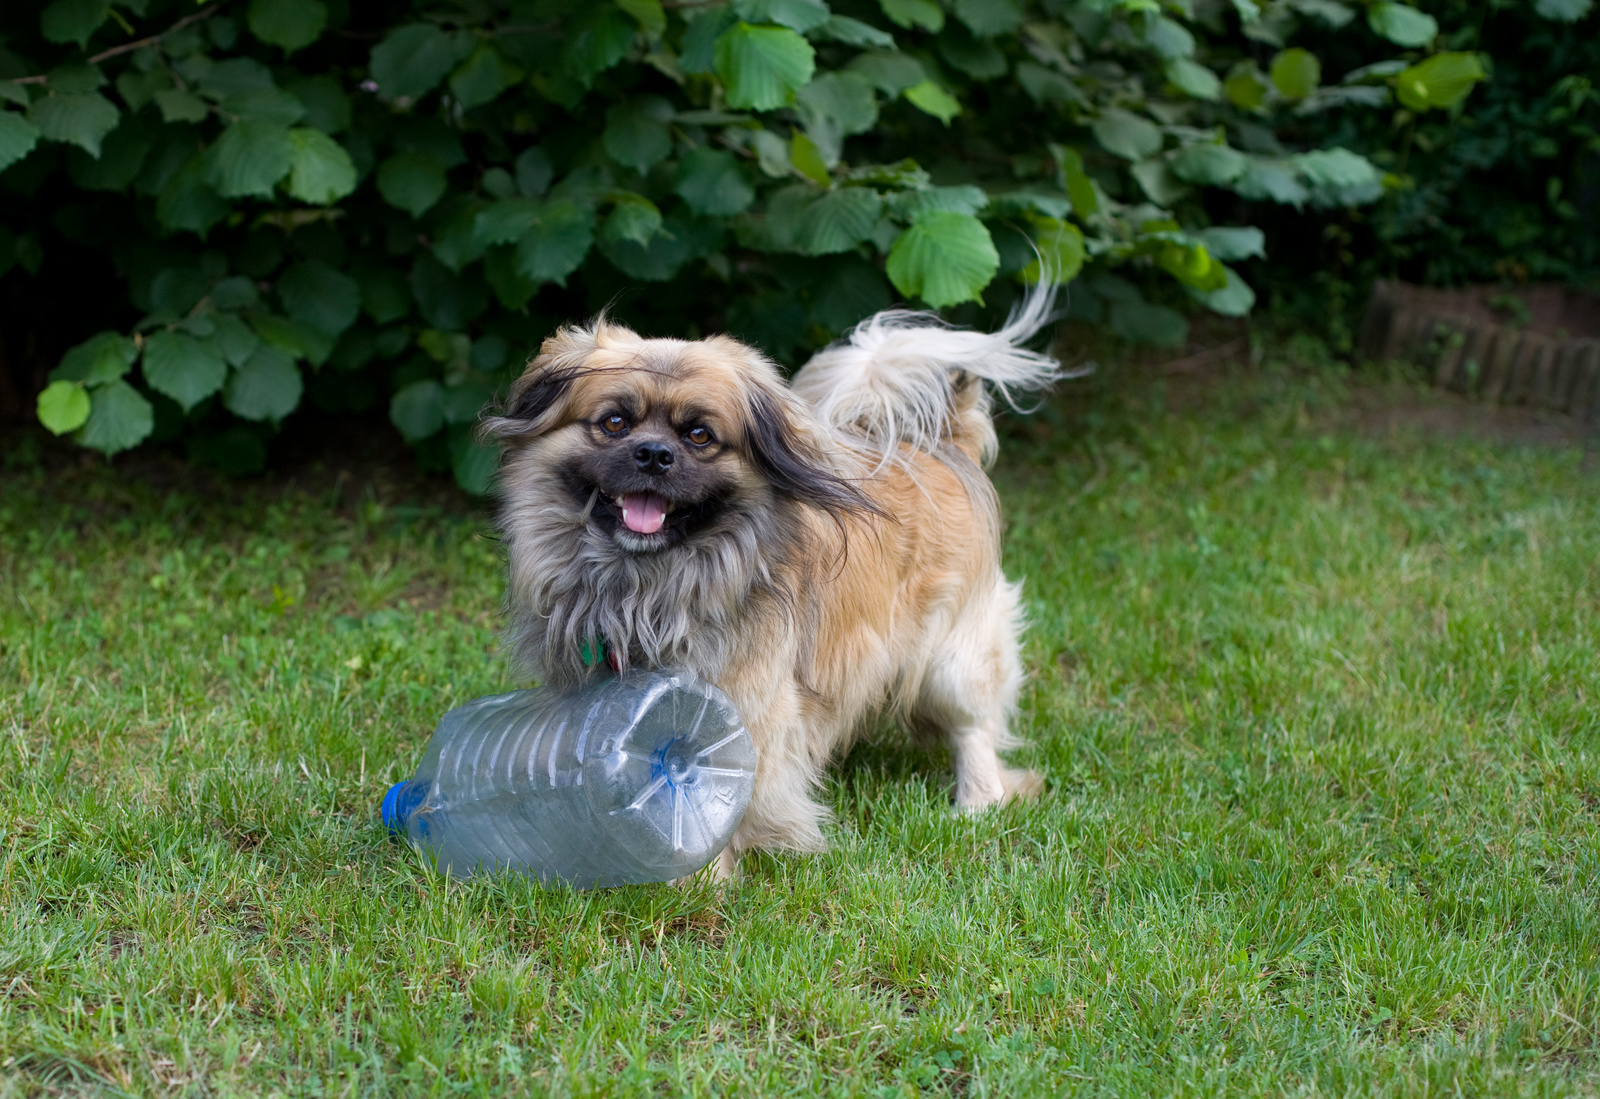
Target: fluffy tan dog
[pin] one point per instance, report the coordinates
(823, 551)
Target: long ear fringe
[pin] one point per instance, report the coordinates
(894, 378)
(546, 381)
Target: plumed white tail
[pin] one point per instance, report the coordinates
(907, 379)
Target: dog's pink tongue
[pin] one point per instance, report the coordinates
(643, 512)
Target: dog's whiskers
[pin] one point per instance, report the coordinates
(588, 509)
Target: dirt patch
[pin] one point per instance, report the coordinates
(1385, 412)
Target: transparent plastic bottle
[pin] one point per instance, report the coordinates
(642, 777)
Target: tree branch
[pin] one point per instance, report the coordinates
(129, 47)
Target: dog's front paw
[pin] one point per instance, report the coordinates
(1011, 784)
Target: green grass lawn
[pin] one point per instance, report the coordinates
(1320, 711)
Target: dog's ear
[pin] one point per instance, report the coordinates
(793, 462)
(537, 399)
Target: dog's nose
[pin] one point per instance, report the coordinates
(652, 457)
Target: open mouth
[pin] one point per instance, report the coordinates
(649, 519)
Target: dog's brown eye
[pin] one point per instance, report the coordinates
(613, 424)
(699, 436)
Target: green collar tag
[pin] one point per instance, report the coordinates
(592, 651)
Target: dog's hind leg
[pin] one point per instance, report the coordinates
(969, 689)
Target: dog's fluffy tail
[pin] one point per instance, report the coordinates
(908, 379)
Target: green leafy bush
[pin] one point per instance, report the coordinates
(306, 204)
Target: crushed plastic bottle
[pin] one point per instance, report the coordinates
(642, 777)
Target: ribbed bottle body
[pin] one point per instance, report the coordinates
(638, 778)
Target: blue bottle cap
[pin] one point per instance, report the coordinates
(399, 802)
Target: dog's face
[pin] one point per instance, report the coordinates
(655, 444)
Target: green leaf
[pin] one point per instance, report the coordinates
(179, 106)
(63, 406)
(1168, 38)
(119, 419)
(266, 387)
(1209, 164)
(1157, 179)
(1443, 80)
(1194, 79)
(800, 15)
(327, 107)
(929, 98)
(944, 258)
(412, 182)
(482, 77)
(556, 244)
(965, 198)
(176, 290)
(1274, 180)
(853, 32)
(1191, 265)
(248, 159)
(235, 76)
(656, 260)
(411, 60)
(75, 77)
(1563, 11)
(914, 13)
(1061, 251)
(713, 183)
(103, 357)
(265, 105)
(186, 369)
(1247, 86)
(1402, 24)
(473, 464)
(987, 18)
(890, 73)
(1296, 73)
(385, 294)
(533, 172)
(838, 220)
(18, 136)
(636, 134)
(650, 16)
(73, 21)
(981, 59)
(762, 67)
(122, 155)
(315, 294)
(1075, 181)
(187, 203)
(511, 287)
(699, 41)
(1227, 243)
(843, 101)
(1233, 299)
(1331, 12)
(234, 339)
(290, 24)
(416, 410)
(807, 159)
(1340, 177)
(506, 220)
(597, 42)
(1123, 133)
(320, 172)
(78, 119)
(634, 218)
